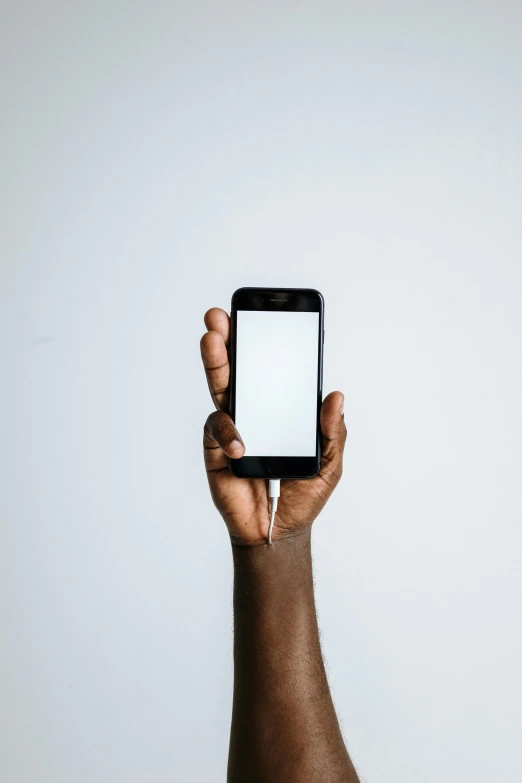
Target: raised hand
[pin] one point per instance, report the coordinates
(243, 503)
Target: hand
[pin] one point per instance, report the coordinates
(243, 503)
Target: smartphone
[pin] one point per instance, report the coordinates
(276, 359)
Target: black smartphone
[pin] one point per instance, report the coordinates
(276, 359)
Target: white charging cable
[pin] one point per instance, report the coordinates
(274, 491)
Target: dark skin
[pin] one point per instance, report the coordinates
(284, 725)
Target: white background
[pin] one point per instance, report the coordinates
(155, 157)
(276, 383)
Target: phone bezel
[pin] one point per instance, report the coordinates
(289, 300)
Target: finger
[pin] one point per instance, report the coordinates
(333, 438)
(216, 320)
(221, 440)
(217, 369)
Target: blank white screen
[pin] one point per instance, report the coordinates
(276, 382)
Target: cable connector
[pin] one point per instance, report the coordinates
(274, 492)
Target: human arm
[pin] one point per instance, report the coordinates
(284, 725)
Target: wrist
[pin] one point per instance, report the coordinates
(291, 551)
(279, 537)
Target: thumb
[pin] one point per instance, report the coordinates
(333, 437)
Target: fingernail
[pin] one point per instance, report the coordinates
(235, 445)
(341, 409)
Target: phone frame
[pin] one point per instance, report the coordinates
(278, 300)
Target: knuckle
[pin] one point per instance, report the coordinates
(218, 425)
(211, 417)
(209, 424)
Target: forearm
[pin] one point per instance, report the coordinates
(284, 726)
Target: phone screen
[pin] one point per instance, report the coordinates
(277, 382)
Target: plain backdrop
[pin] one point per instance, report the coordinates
(154, 157)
